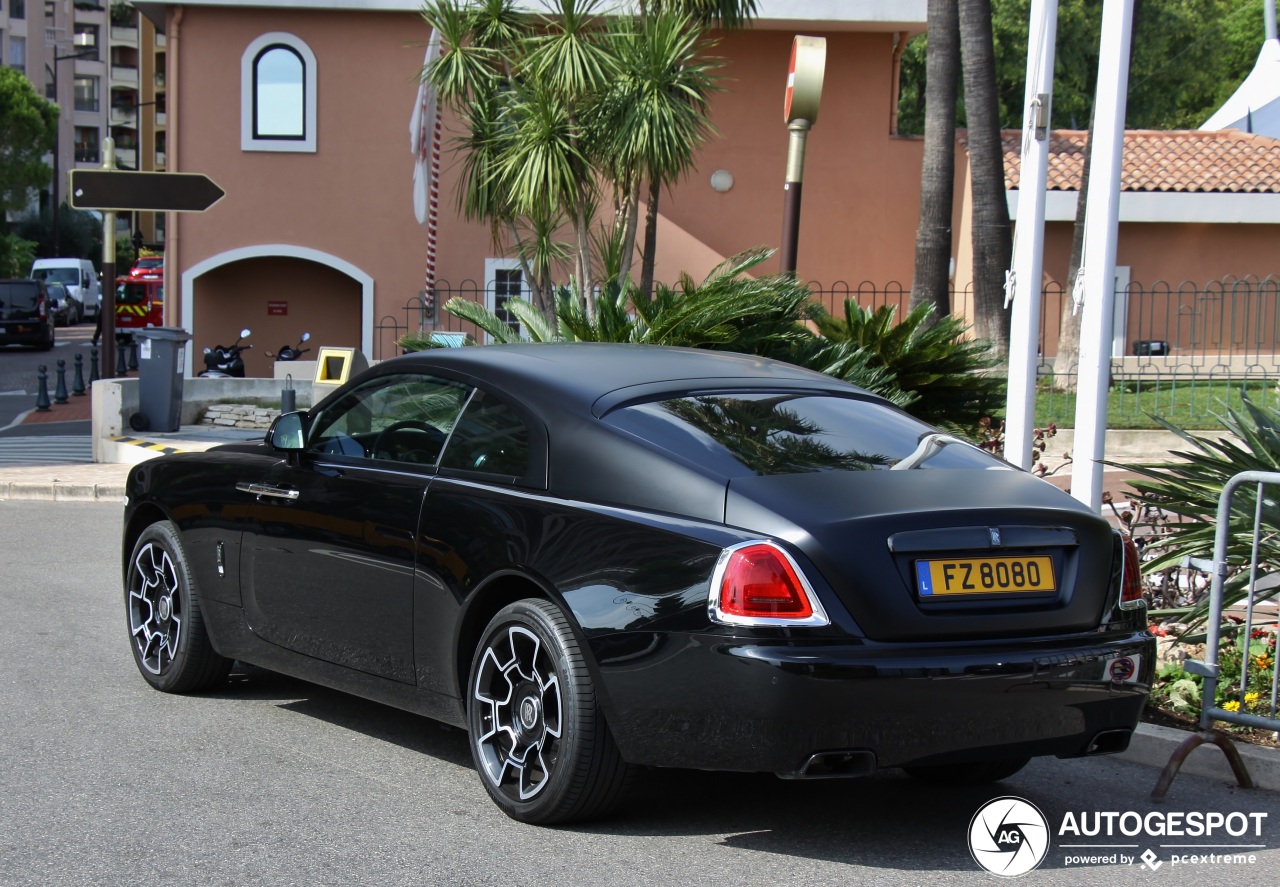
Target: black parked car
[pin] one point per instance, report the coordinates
(594, 557)
(26, 314)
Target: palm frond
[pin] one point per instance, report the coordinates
(483, 318)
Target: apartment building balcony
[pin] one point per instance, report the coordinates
(124, 115)
(122, 75)
(124, 36)
(160, 160)
(162, 40)
(126, 158)
(162, 119)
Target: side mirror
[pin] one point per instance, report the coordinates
(288, 432)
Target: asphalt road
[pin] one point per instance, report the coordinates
(276, 781)
(19, 379)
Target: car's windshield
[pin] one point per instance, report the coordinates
(788, 433)
(69, 276)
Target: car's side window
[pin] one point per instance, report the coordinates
(490, 438)
(403, 418)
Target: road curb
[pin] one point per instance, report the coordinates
(69, 491)
(1153, 745)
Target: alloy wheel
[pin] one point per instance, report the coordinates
(156, 611)
(520, 712)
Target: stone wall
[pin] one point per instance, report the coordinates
(238, 415)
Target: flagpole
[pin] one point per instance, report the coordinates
(1028, 254)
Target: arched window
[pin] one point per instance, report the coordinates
(278, 95)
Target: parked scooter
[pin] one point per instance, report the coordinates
(226, 363)
(292, 353)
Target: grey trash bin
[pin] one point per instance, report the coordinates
(161, 361)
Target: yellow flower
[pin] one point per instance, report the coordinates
(1251, 698)
(1233, 705)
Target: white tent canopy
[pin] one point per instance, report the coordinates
(1255, 106)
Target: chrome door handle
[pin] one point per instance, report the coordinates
(266, 490)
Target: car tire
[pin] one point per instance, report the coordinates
(975, 773)
(167, 634)
(537, 734)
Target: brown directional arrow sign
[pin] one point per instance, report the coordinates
(110, 189)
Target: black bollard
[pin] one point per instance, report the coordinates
(121, 369)
(42, 389)
(133, 355)
(94, 372)
(288, 396)
(60, 389)
(77, 385)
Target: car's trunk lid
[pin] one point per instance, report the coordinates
(925, 554)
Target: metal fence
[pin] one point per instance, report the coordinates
(1254, 695)
(1224, 329)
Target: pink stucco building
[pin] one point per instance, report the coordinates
(317, 230)
(324, 222)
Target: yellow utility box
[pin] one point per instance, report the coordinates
(334, 367)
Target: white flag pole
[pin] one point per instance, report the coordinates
(1028, 253)
(1098, 268)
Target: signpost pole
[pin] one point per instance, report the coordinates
(794, 187)
(804, 93)
(107, 304)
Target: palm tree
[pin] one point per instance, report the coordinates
(992, 235)
(728, 14)
(658, 117)
(524, 84)
(931, 285)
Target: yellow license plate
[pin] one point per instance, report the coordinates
(985, 575)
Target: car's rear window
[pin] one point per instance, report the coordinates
(789, 433)
(18, 296)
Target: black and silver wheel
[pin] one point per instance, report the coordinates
(170, 644)
(538, 736)
(976, 773)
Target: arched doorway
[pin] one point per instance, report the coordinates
(278, 297)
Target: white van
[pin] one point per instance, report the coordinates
(77, 275)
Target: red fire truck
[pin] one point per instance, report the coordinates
(139, 302)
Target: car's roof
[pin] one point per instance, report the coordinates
(584, 373)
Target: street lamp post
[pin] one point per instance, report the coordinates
(57, 146)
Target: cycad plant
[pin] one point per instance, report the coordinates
(727, 311)
(1188, 485)
(932, 371)
(945, 374)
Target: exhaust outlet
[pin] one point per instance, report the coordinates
(1109, 742)
(844, 764)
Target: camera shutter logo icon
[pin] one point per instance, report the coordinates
(1008, 837)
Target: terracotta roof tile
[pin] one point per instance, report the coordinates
(1221, 161)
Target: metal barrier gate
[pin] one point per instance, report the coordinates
(1210, 668)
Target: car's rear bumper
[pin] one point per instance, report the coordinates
(721, 703)
(24, 332)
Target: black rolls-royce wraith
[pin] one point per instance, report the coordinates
(596, 557)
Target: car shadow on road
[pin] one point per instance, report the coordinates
(885, 821)
(373, 719)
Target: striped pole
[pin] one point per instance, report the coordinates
(433, 216)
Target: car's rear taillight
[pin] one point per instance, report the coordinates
(42, 310)
(1131, 583)
(758, 583)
